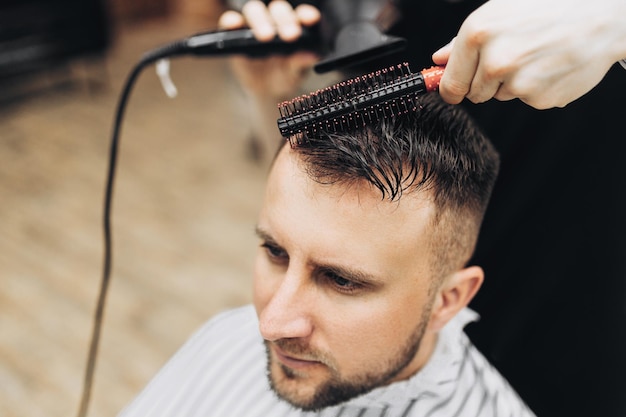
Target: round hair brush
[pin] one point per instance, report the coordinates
(356, 102)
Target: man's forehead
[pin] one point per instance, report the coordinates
(348, 218)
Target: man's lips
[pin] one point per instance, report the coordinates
(291, 361)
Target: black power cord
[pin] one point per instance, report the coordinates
(204, 44)
(147, 59)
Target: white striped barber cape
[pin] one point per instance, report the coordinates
(221, 372)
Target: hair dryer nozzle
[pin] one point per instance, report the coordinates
(359, 42)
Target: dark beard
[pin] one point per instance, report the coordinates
(336, 390)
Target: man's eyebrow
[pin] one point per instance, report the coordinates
(263, 234)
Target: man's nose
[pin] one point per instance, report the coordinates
(288, 312)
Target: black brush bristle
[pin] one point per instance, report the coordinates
(357, 102)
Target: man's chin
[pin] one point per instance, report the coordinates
(297, 387)
(312, 385)
(311, 392)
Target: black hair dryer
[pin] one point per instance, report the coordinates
(349, 30)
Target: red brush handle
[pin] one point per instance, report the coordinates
(432, 77)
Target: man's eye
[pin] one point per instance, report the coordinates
(275, 252)
(342, 284)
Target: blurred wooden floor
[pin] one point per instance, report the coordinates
(185, 204)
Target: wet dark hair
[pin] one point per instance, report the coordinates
(436, 149)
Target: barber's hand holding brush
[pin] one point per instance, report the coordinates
(547, 53)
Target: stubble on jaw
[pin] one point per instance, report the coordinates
(289, 384)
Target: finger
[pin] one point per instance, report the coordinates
(308, 15)
(258, 18)
(485, 84)
(460, 69)
(441, 56)
(285, 19)
(503, 94)
(482, 91)
(231, 20)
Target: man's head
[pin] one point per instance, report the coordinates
(365, 240)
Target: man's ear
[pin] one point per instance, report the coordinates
(455, 293)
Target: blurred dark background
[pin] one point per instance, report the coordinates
(42, 37)
(36, 35)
